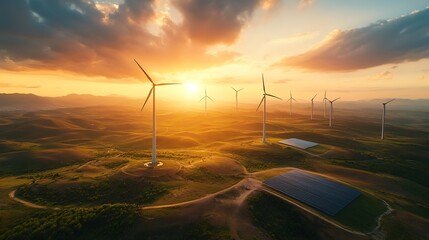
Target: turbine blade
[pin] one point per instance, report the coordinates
(234, 89)
(389, 101)
(263, 82)
(165, 84)
(273, 96)
(205, 91)
(148, 77)
(294, 99)
(202, 99)
(314, 96)
(260, 103)
(240, 90)
(335, 99)
(210, 98)
(147, 98)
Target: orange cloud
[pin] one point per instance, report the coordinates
(94, 39)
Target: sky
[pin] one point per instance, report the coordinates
(356, 49)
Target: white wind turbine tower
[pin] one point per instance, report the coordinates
(264, 99)
(312, 106)
(383, 118)
(332, 109)
(236, 97)
(152, 90)
(206, 97)
(324, 108)
(290, 99)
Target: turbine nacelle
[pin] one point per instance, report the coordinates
(263, 98)
(388, 102)
(333, 100)
(153, 84)
(206, 96)
(314, 97)
(291, 98)
(237, 90)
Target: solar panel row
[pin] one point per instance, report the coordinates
(323, 194)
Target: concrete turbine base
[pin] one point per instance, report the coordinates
(151, 165)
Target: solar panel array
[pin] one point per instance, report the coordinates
(299, 143)
(318, 192)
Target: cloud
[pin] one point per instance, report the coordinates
(398, 40)
(305, 3)
(10, 85)
(215, 21)
(282, 81)
(229, 80)
(101, 39)
(386, 75)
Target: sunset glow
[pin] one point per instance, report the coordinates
(191, 87)
(214, 119)
(173, 43)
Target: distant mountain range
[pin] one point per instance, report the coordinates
(31, 102)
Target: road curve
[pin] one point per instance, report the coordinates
(208, 196)
(26, 203)
(243, 182)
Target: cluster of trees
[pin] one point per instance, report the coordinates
(101, 192)
(280, 219)
(202, 174)
(104, 222)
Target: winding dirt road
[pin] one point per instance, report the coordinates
(251, 184)
(27, 203)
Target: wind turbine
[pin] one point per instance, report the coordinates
(236, 97)
(206, 97)
(290, 99)
(324, 108)
(332, 108)
(383, 118)
(264, 99)
(312, 106)
(152, 90)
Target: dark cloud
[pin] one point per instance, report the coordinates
(394, 41)
(94, 39)
(215, 21)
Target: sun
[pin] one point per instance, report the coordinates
(191, 87)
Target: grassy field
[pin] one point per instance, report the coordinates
(85, 157)
(362, 213)
(102, 191)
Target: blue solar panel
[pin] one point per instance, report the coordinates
(318, 192)
(298, 143)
